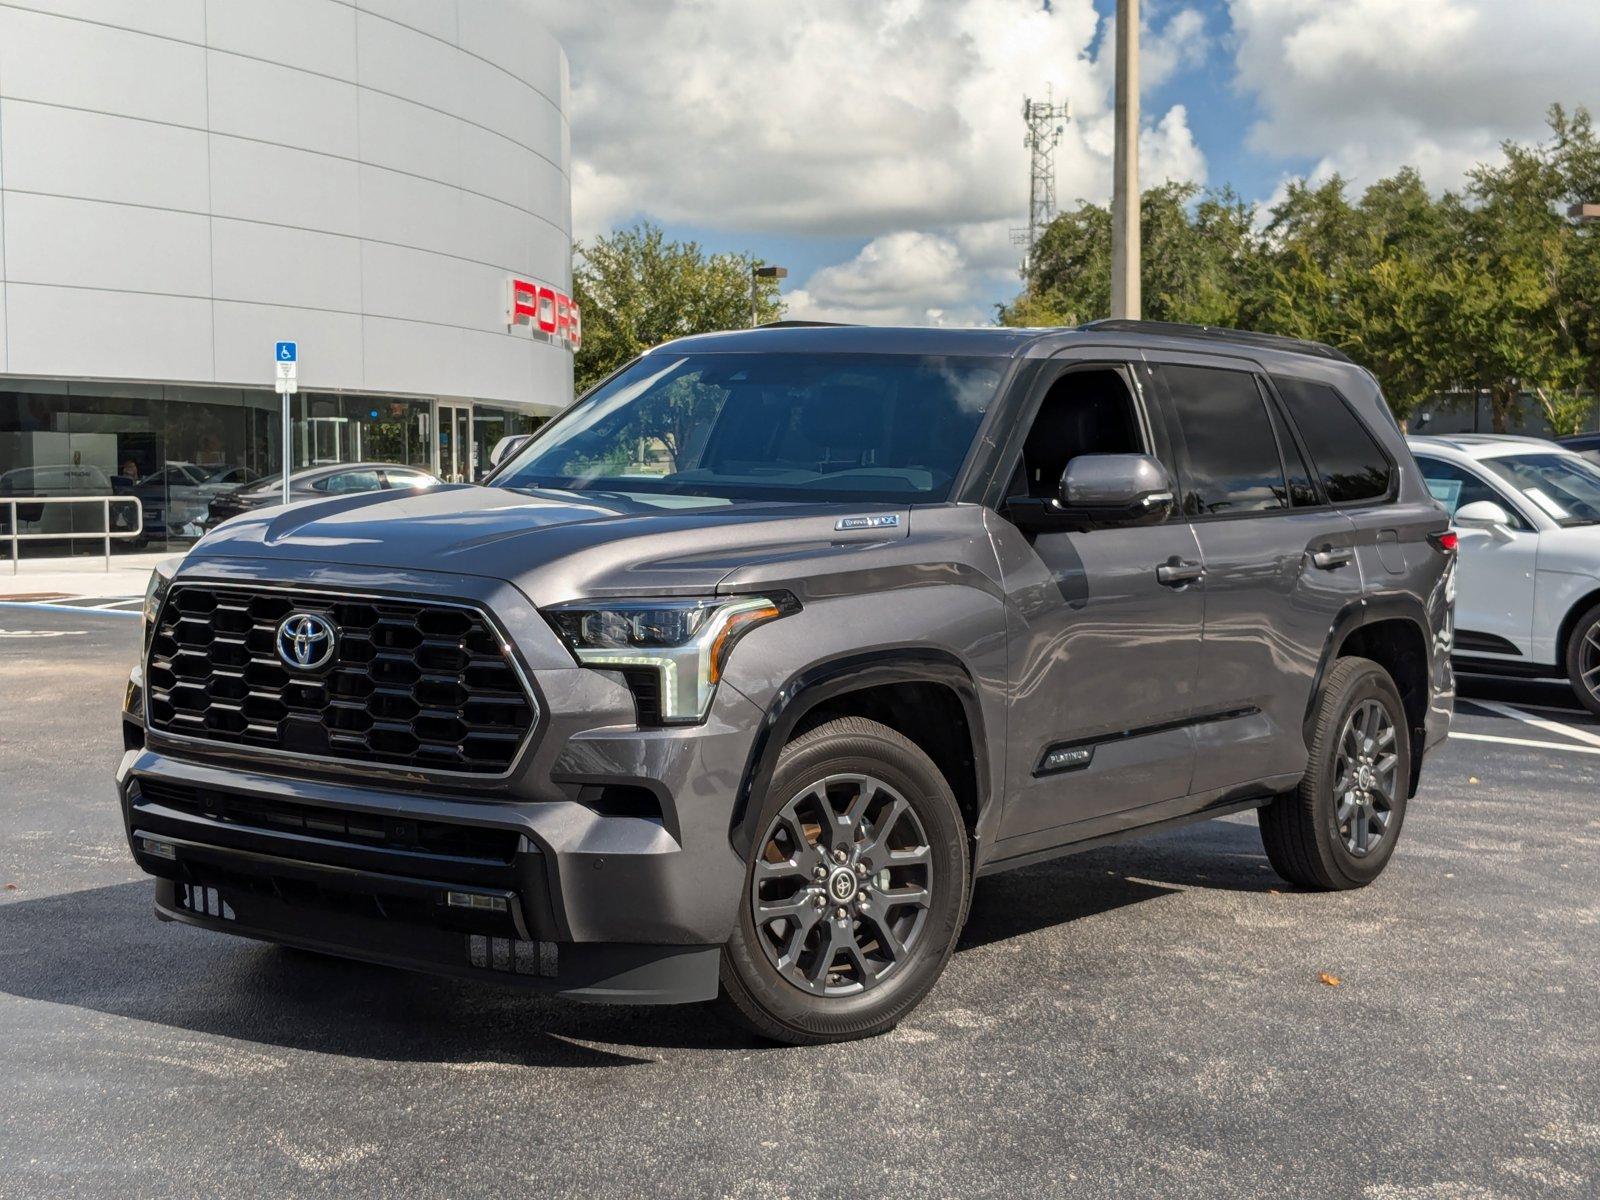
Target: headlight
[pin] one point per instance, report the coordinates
(156, 591)
(685, 642)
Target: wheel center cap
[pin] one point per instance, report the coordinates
(1364, 778)
(842, 885)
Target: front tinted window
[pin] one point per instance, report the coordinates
(1352, 467)
(887, 427)
(1232, 455)
(1453, 486)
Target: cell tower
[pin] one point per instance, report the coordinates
(1045, 120)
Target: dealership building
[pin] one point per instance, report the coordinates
(184, 184)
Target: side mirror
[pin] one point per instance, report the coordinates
(506, 447)
(1099, 490)
(1483, 514)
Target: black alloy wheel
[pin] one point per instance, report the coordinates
(856, 888)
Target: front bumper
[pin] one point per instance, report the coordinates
(416, 883)
(601, 868)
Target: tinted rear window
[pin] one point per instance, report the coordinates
(1352, 467)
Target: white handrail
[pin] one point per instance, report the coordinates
(15, 535)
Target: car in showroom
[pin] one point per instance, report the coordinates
(739, 674)
(1527, 515)
(334, 479)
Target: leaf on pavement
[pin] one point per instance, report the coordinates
(1330, 980)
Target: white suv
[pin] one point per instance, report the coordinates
(1527, 513)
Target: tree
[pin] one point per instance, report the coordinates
(1516, 243)
(1492, 289)
(1195, 249)
(636, 290)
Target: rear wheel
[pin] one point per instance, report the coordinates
(1583, 659)
(1338, 829)
(855, 890)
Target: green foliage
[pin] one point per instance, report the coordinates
(1491, 289)
(637, 290)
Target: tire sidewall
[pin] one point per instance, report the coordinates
(898, 764)
(1574, 659)
(1372, 683)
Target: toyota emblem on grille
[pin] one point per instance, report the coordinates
(306, 640)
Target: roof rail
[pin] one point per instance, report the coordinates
(1265, 341)
(803, 325)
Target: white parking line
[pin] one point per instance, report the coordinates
(1556, 727)
(1511, 741)
(1558, 709)
(45, 606)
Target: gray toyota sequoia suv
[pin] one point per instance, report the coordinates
(736, 678)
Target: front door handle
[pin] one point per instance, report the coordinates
(1330, 558)
(1176, 572)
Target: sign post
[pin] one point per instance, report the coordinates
(286, 364)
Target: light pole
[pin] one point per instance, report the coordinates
(757, 274)
(1125, 300)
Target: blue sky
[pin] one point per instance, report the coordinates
(873, 147)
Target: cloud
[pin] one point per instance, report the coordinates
(1366, 86)
(897, 122)
(905, 278)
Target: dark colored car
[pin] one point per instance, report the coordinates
(318, 483)
(1586, 444)
(754, 660)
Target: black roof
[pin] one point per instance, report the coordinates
(994, 340)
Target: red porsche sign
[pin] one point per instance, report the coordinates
(542, 308)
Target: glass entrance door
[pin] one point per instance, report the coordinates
(455, 443)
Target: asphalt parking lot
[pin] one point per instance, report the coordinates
(1142, 1020)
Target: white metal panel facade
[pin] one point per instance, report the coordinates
(184, 182)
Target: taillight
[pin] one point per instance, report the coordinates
(1444, 543)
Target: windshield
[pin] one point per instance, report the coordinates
(885, 427)
(1563, 487)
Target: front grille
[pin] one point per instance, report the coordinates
(382, 831)
(410, 684)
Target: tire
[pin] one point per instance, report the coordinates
(811, 977)
(1306, 840)
(1583, 656)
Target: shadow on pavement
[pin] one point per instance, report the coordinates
(101, 949)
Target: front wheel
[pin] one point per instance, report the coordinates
(1583, 659)
(1338, 829)
(855, 890)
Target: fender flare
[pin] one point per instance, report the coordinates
(1367, 610)
(834, 677)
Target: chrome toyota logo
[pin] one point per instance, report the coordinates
(305, 641)
(842, 886)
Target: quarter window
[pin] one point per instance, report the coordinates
(1232, 455)
(1353, 468)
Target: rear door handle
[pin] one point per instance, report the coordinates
(1176, 572)
(1330, 558)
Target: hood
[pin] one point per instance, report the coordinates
(554, 546)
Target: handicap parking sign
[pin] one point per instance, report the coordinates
(286, 351)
